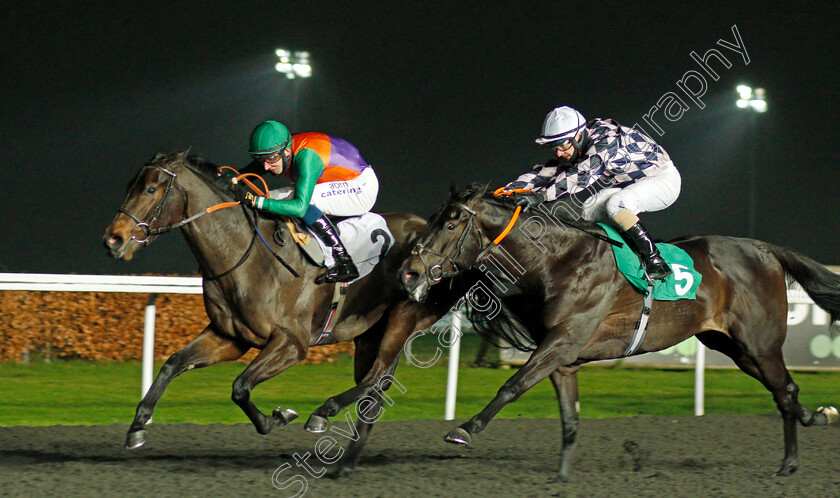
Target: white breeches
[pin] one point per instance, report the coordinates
(652, 193)
(341, 198)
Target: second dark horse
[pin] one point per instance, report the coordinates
(578, 308)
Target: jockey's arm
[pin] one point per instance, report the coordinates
(543, 178)
(308, 167)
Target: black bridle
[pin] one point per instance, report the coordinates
(145, 226)
(435, 272)
(148, 231)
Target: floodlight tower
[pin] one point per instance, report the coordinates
(753, 101)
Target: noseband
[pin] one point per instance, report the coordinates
(435, 272)
(144, 226)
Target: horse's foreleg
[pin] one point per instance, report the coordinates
(565, 383)
(545, 360)
(206, 349)
(281, 352)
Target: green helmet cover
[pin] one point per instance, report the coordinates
(269, 137)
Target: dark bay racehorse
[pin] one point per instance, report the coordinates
(580, 309)
(253, 301)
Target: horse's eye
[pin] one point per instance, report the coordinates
(450, 226)
(151, 190)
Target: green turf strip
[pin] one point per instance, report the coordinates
(82, 393)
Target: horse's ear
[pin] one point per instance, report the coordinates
(158, 157)
(453, 190)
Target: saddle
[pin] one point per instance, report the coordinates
(366, 237)
(682, 284)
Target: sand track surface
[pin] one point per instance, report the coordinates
(716, 455)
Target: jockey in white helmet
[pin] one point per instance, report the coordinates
(638, 174)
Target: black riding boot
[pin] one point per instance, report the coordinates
(655, 267)
(344, 269)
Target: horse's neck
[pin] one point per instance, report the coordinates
(538, 235)
(221, 238)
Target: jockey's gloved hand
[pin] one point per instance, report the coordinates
(528, 200)
(245, 197)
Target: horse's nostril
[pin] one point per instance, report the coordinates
(114, 241)
(410, 275)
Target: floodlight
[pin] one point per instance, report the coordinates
(293, 64)
(751, 98)
(302, 70)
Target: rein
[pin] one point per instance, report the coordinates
(436, 273)
(502, 192)
(149, 232)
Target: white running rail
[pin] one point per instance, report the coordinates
(140, 284)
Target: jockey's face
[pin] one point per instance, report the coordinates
(276, 162)
(565, 150)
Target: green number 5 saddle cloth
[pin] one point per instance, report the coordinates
(681, 284)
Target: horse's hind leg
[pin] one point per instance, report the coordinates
(765, 362)
(281, 352)
(205, 350)
(565, 383)
(377, 351)
(778, 381)
(353, 452)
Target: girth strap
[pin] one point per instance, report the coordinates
(334, 312)
(641, 325)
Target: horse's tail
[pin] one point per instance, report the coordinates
(821, 284)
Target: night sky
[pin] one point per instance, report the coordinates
(431, 94)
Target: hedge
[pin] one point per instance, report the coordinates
(104, 326)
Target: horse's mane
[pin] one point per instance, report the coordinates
(515, 326)
(566, 209)
(198, 165)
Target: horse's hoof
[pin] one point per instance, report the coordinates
(135, 439)
(458, 436)
(787, 470)
(340, 471)
(284, 415)
(789, 466)
(316, 424)
(831, 413)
